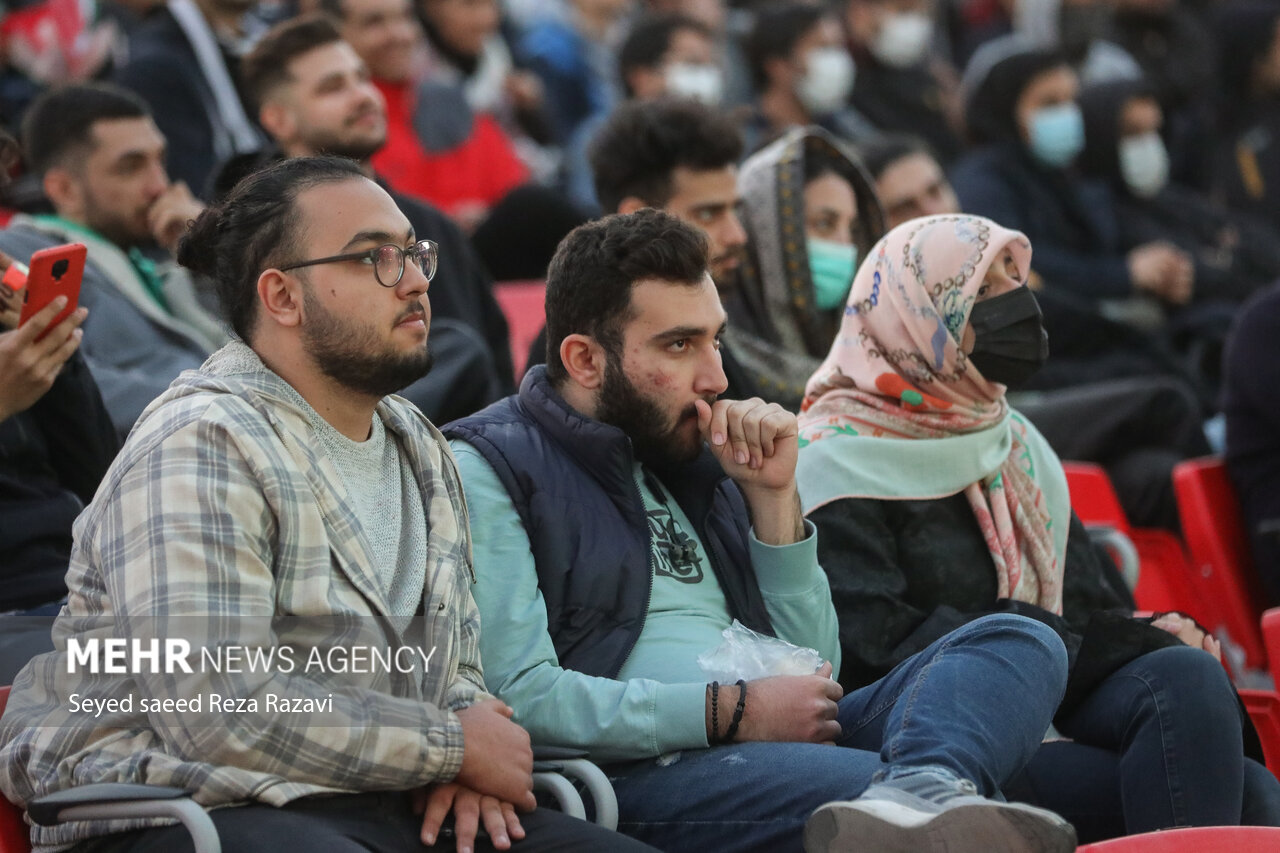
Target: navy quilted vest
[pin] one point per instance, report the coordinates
(570, 479)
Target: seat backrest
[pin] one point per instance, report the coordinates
(1092, 496)
(1215, 536)
(1271, 636)
(1264, 711)
(1164, 581)
(14, 835)
(524, 304)
(1194, 839)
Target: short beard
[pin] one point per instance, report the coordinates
(347, 354)
(622, 405)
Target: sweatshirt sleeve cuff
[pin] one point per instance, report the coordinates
(787, 569)
(680, 717)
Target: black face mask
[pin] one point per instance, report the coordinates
(1010, 343)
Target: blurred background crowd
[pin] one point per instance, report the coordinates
(1136, 143)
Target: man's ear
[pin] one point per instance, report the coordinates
(646, 83)
(63, 190)
(278, 122)
(280, 298)
(584, 360)
(631, 204)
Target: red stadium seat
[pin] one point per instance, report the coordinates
(1264, 710)
(1164, 578)
(1271, 635)
(1199, 839)
(524, 303)
(1223, 569)
(15, 837)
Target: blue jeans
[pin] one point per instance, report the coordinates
(976, 702)
(1157, 745)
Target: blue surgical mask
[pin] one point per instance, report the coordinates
(1057, 134)
(831, 266)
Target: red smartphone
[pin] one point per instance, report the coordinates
(55, 271)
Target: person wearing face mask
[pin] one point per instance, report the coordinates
(937, 502)
(901, 86)
(810, 212)
(1021, 112)
(803, 75)
(666, 54)
(1175, 46)
(1233, 254)
(1109, 394)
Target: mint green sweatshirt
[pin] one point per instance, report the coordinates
(658, 706)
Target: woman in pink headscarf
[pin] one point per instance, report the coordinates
(937, 502)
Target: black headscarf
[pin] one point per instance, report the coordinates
(991, 105)
(1102, 105)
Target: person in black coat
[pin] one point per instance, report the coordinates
(184, 62)
(1022, 113)
(1251, 371)
(1247, 157)
(1233, 254)
(936, 502)
(56, 442)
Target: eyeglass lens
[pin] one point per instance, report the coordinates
(389, 262)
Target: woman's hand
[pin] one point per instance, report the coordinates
(1186, 630)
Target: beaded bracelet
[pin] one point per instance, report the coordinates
(715, 701)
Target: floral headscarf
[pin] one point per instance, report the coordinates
(897, 371)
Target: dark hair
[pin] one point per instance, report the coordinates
(881, 152)
(589, 280)
(253, 229)
(60, 122)
(774, 35)
(9, 155)
(267, 65)
(335, 9)
(642, 143)
(991, 110)
(650, 39)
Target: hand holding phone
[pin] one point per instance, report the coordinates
(32, 355)
(56, 271)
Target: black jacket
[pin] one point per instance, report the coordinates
(52, 457)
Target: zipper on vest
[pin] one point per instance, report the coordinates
(648, 595)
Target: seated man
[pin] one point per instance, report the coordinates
(277, 505)
(624, 516)
(101, 161)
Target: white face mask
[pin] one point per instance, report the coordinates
(1144, 163)
(903, 39)
(827, 81)
(689, 80)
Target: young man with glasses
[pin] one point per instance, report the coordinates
(302, 536)
(315, 97)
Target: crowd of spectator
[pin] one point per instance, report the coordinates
(1102, 170)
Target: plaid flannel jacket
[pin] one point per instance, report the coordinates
(222, 523)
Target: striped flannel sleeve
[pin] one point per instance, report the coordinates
(190, 549)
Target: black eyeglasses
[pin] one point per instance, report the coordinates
(387, 260)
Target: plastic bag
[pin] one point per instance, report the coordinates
(750, 655)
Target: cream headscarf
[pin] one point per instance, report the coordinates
(896, 371)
